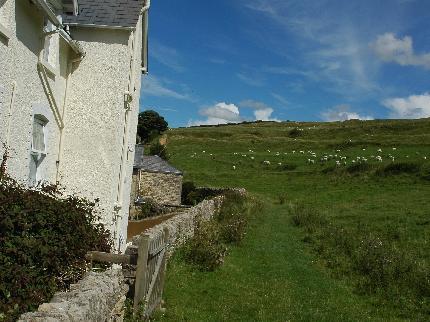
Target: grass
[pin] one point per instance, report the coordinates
(279, 271)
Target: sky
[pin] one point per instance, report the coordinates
(213, 62)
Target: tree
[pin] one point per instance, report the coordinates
(150, 125)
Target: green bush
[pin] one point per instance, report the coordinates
(396, 168)
(156, 148)
(149, 208)
(358, 167)
(205, 250)
(233, 217)
(294, 133)
(44, 237)
(191, 195)
(287, 167)
(425, 171)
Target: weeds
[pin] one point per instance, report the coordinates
(379, 266)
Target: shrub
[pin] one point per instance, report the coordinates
(149, 208)
(358, 167)
(294, 133)
(187, 187)
(287, 167)
(233, 217)
(156, 148)
(44, 237)
(399, 168)
(205, 250)
(425, 171)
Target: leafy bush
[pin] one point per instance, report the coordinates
(399, 168)
(287, 167)
(233, 217)
(205, 250)
(191, 195)
(425, 171)
(156, 148)
(358, 167)
(44, 237)
(294, 133)
(149, 208)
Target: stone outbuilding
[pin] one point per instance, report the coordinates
(155, 178)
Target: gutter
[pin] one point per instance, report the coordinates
(145, 26)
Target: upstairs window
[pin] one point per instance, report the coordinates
(38, 149)
(39, 128)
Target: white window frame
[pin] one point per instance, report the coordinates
(44, 122)
(37, 156)
(4, 30)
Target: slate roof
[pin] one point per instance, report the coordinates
(152, 163)
(111, 13)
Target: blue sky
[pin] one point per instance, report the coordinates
(320, 60)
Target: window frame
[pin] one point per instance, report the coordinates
(42, 120)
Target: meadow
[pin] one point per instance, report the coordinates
(345, 230)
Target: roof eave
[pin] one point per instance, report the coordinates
(74, 24)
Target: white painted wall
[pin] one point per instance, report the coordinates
(94, 161)
(18, 64)
(95, 121)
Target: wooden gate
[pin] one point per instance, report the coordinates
(151, 265)
(150, 270)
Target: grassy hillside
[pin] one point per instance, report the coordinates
(346, 232)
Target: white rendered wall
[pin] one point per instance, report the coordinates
(95, 119)
(18, 64)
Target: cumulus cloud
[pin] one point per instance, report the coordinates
(342, 113)
(220, 113)
(412, 107)
(262, 111)
(398, 50)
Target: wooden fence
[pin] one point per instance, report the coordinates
(150, 270)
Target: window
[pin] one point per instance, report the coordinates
(4, 26)
(38, 148)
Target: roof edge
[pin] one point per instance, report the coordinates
(74, 24)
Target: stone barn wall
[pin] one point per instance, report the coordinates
(163, 188)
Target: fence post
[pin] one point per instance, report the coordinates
(141, 272)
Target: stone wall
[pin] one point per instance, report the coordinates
(163, 188)
(181, 226)
(97, 297)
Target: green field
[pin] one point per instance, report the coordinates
(345, 232)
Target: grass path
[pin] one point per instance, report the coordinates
(257, 288)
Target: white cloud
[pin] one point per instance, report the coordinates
(252, 81)
(167, 56)
(342, 113)
(280, 99)
(412, 107)
(220, 113)
(262, 111)
(401, 51)
(151, 85)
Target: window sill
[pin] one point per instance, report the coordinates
(49, 68)
(5, 32)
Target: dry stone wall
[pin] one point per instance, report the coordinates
(163, 188)
(97, 297)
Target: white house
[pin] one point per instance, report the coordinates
(70, 74)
